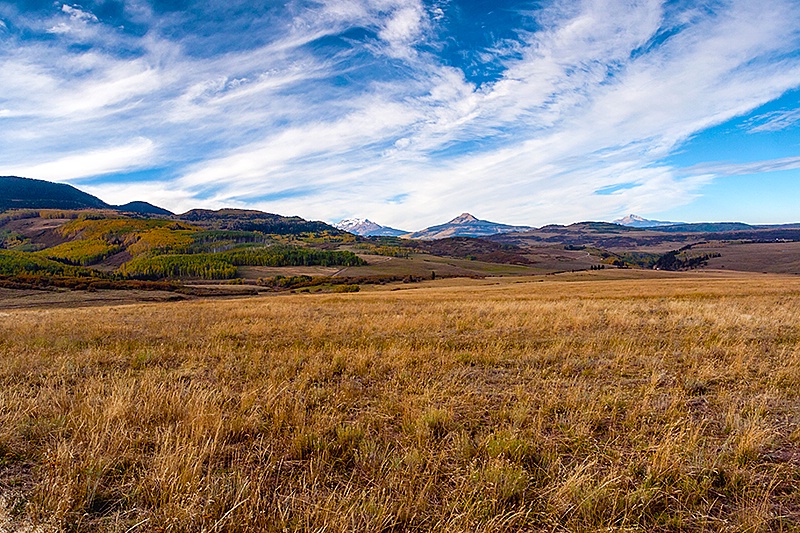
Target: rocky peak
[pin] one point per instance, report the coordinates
(464, 218)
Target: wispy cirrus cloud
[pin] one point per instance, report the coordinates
(346, 107)
(774, 121)
(722, 169)
(132, 155)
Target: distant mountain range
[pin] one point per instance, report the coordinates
(26, 193)
(367, 228)
(465, 225)
(635, 221)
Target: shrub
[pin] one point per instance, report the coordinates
(346, 288)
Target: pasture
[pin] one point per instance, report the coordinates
(617, 401)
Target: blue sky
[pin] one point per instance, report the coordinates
(410, 112)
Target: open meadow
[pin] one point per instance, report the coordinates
(611, 400)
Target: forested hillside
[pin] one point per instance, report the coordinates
(105, 245)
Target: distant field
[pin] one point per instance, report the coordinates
(543, 260)
(255, 272)
(424, 265)
(776, 257)
(616, 400)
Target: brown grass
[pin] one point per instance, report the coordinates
(665, 404)
(778, 257)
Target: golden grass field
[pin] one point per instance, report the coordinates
(562, 403)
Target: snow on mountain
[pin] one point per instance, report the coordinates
(635, 221)
(465, 225)
(367, 228)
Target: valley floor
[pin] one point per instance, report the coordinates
(604, 400)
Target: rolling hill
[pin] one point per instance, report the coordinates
(251, 220)
(143, 208)
(27, 193)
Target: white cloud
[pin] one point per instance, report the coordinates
(721, 169)
(402, 29)
(157, 193)
(61, 27)
(275, 164)
(774, 121)
(42, 91)
(76, 13)
(579, 121)
(77, 21)
(326, 126)
(136, 154)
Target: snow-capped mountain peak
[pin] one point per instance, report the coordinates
(635, 221)
(367, 228)
(356, 225)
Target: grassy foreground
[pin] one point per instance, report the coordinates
(652, 405)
